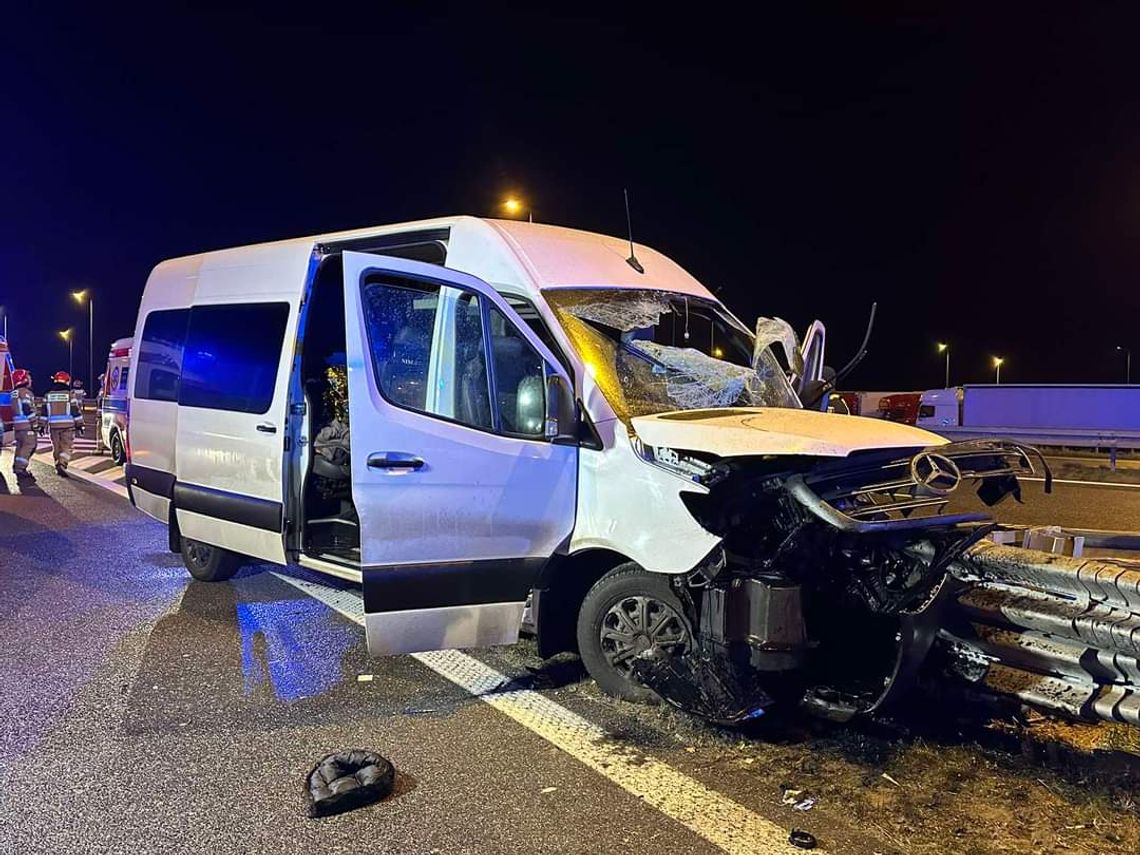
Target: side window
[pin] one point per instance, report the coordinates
(428, 349)
(520, 384)
(122, 385)
(526, 310)
(160, 355)
(231, 356)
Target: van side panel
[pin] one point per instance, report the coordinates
(231, 457)
(153, 424)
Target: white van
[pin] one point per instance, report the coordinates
(538, 410)
(113, 406)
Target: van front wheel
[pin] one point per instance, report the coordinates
(626, 613)
(208, 563)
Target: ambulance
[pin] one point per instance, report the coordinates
(113, 406)
(6, 369)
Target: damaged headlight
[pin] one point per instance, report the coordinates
(686, 466)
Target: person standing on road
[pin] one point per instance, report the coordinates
(63, 407)
(25, 420)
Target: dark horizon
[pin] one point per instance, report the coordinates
(975, 173)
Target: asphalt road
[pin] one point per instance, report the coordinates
(141, 711)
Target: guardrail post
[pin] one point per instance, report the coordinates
(1112, 456)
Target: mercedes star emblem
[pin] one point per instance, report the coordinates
(935, 472)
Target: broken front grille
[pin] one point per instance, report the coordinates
(886, 489)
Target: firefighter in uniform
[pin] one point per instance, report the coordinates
(24, 420)
(63, 408)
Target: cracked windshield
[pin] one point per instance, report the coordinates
(652, 352)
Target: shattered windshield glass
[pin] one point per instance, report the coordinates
(652, 352)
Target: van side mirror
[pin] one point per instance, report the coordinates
(561, 410)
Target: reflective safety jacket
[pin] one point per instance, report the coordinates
(24, 416)
(63, 407)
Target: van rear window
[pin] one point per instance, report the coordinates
(231, 356)
(160, 355)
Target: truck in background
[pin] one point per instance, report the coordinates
(1042, 406)
(1096, 416)
(112, 406)
(901, 407)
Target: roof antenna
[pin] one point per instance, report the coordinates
(632, 260)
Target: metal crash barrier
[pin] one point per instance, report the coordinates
(1043, 620)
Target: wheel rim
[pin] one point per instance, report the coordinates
(636, 624)
(198, 554)
(116, 449)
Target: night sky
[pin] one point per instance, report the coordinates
(979, 176)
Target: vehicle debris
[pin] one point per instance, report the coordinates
(703, 683)
(797, 800)
(347, 780)
(802, 839)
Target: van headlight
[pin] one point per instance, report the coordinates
(688, 467)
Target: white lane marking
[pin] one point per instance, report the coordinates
(715, 817)
(1084, 483)
(97, 480)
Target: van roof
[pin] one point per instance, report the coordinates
(506, 253)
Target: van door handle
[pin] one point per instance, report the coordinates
(394, 460)
(264, 428)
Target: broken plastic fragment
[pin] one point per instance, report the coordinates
(347, 780)
(702, 683)
(802, 839)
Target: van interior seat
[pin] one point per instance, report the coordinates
(472, 405)
(406, 365)
(510, 371)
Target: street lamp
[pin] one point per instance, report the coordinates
(514, 206)
(945, 348)
(998, 360)
(80, 297)
(1127, 363)
(66, 336)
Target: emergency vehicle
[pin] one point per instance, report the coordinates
(113, 405)
(6, 369)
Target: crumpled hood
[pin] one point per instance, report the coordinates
(741, 432)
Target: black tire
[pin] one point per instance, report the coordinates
(614, 604)
(208, 563)
(118, 452)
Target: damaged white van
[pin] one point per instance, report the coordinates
(461, 413)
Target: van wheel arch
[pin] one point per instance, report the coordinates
(560, 590)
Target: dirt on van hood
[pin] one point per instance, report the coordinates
(750, 431)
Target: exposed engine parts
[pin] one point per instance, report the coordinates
(838, 584)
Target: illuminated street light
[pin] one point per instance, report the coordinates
(945, 348)
(1127, 363)
(514, 207)
(81, 297)
(66, 336)
(998, 360)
